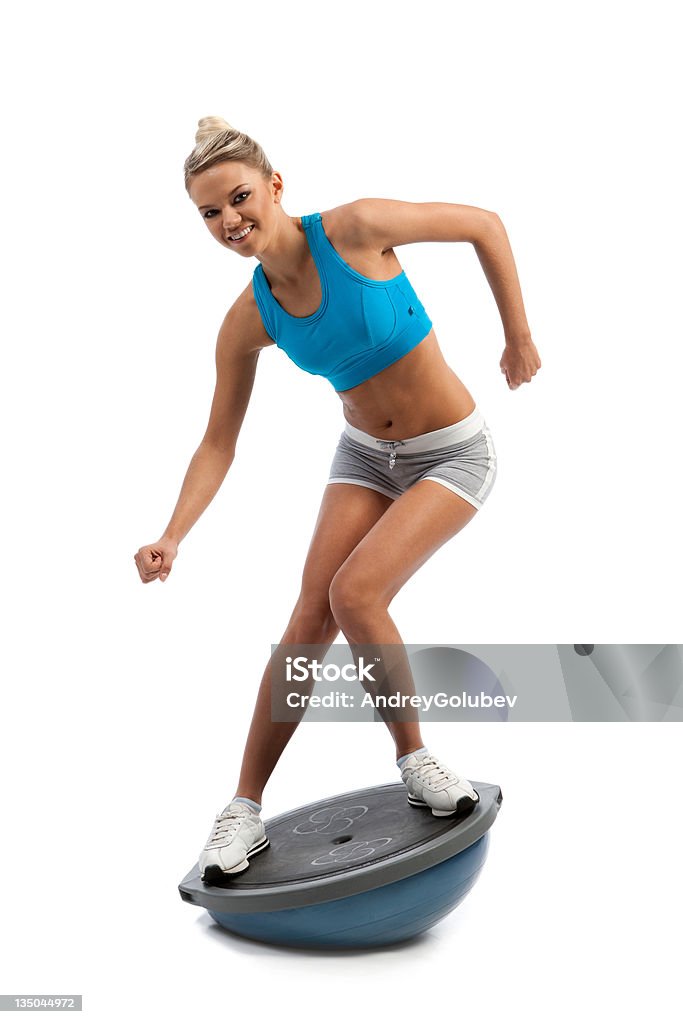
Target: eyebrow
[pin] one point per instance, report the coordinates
(209, 206)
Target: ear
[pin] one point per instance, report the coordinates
(277, 186)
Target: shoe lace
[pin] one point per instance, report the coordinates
(225, 825)
(435, 771)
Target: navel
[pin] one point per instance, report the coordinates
(389, 423)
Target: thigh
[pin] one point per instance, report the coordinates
(416, 525)
(347, 512)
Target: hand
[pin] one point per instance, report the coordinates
(156, 560)
(519, 363)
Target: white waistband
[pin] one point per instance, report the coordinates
(442, 438)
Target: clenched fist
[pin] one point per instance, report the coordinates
(156, 560)
(519, 363)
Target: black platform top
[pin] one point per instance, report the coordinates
(350, 843)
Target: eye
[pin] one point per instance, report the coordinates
(238, 196)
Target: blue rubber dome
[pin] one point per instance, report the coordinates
(361, 869)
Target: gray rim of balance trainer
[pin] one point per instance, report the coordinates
(355, 879)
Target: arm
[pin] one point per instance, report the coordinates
(240, 341)
(384, 223)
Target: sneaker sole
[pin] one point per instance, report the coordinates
(213, 873)
(463, 806)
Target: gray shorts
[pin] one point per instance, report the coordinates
(460, 456)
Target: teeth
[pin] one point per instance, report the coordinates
(233, 238)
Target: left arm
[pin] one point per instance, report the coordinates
(385, 223)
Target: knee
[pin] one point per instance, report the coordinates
(353, 599)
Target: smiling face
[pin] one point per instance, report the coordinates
(233, 197)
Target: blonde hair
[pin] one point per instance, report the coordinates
(218, 142)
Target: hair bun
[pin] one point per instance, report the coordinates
(211, 126)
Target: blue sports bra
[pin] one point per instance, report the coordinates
(361, 325)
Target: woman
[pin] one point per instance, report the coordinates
(415, 460)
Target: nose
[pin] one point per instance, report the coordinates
(230, 225)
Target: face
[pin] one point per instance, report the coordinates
(232, 197)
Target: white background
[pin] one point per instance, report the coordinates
(125, 707)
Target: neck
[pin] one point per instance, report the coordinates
(287, 251)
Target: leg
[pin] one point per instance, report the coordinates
(416, 525)
(346, 514)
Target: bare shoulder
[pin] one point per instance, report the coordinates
(242, 330)
(381, 224)
(351, 224)
(353, 231)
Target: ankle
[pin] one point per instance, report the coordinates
(254, 804)
(403, 757)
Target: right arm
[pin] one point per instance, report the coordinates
(240, 340)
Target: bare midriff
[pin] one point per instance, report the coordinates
(416, 394)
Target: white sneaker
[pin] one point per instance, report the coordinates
(237, 834)
(431, 784)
